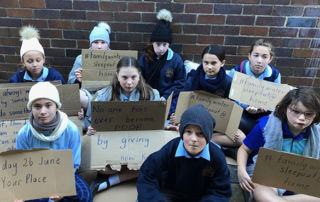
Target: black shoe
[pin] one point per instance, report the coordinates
(94, 186)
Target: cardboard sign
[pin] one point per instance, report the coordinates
(256, 92)
(33, 174)
(121, 147)
(288, 171)
(14, 99)
(78, 123)
(8, 133)
(100, 66)
(70, 99)
(13, 104)
(124, 116)
(226, 113)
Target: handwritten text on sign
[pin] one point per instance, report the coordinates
(226, 113)
(101, 65)
(50, 172)
(123, 116)
(13, 104)
(219, 106)
(288, 171)
(122, 147)
(256, 92)
(8, 133)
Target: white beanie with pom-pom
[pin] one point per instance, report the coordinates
(30, 40)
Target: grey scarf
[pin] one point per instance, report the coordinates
(44, 127)
(56, 133)
(274, 137)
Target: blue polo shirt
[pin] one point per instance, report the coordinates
(181, 152)
(291, 143)
(45, 72)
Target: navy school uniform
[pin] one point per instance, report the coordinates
(48, 74)
(168, 172)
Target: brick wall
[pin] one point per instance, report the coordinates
(293, 26)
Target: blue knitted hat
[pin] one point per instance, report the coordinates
(100, 32)
(198, 115)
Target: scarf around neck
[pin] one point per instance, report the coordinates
(44, 127)
(209, 85)
(58, 125)
(274, 137)
(155, 68)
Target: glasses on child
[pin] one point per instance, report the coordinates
(307, 115)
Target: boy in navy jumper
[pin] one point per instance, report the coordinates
(189, 168)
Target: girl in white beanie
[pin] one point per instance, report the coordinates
(99, 40)
(48, 127)
(33, 59)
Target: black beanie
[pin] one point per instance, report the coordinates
(162, 30)
(198, 115)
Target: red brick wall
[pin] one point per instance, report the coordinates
(293, 26)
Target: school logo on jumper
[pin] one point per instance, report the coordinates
(208, 172)
(169, 73)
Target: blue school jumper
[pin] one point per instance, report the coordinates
(172, 74)
(48, 74)
(170, 171)
(220, 85)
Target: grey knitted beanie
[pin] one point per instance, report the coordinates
(198, 115)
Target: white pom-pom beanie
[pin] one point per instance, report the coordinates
(100, 32)
(44, 90)
(30, 40)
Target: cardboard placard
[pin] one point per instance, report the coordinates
(13, 104)
(256, 92)
(33, 174)
(99, 66)
(78, 123)
(14, 99)
(8, 133)
(124, 116)
(288, 171)
(226, 112)
(70, 99)
(121, 147)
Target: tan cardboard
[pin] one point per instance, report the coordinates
(70, 99)
(124, 116)
(32, 174)
(256, 92)
(14, 99)
(118, 148)
(78, 123)
(99, 66)
(288, 171)
(226, 112)
(9, 131)
(13, 104)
